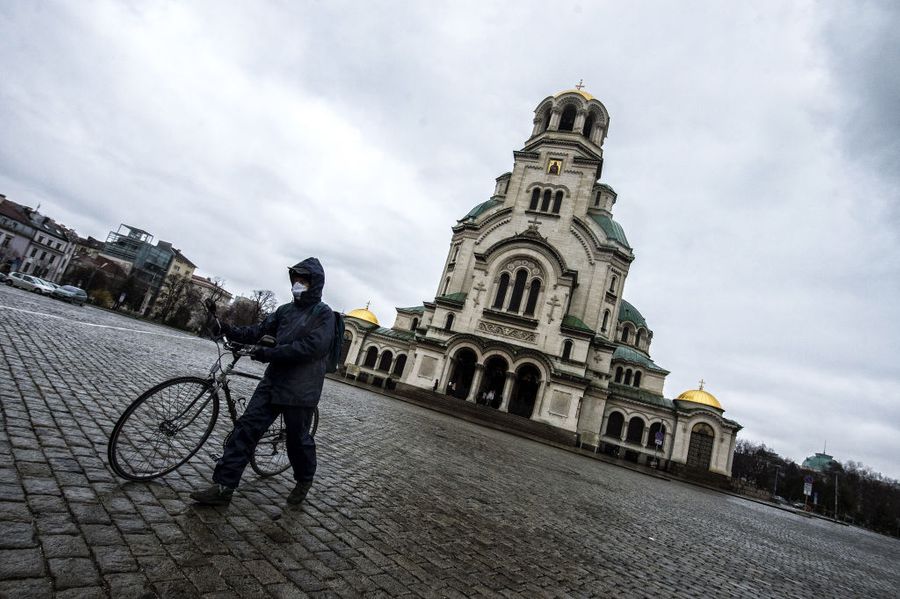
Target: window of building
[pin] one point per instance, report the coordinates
(637, 378)
(605, 321)
(399, 365)
(371, 357)
(557, 202)
(545, 205)
(628, 376)
(446, 286)
(619, 373)
(612, 283)
(518, 290)
(448, 324)
(501, 291)
(455, 253)
(415, 324)
(385, 363)
(535, 198)
(567, 349)
(588, 126)
(567, 121)
(639, 338)
(626, 334)
(614, 425)
(533, 292)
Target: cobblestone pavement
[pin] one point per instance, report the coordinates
(407, 501)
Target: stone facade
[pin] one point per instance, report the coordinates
(529, 316)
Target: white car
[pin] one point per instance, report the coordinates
(30, 283)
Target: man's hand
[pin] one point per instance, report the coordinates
(261, 354)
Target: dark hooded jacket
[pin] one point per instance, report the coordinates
(303, 330)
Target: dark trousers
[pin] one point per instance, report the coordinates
(250, 427)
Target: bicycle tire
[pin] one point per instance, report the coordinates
(140, 435)
(270, 456)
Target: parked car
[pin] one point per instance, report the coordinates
(29, 283)
(4, 279)
(71, 294)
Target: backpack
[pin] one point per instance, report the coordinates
(333, 357)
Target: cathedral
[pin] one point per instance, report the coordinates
(529, 316)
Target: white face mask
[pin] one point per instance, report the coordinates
(298, 289)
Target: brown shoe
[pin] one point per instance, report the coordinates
(299, 492)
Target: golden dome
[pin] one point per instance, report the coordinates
(701, 397)
(583, 94)
(363, 314)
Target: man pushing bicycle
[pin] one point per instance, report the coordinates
(304, 332)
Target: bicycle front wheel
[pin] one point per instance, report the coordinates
(163, 428)
(270, 457)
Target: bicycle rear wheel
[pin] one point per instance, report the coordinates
(163, 428)
(270, 457)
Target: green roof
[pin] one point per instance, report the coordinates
(613, 230)
(629, 313)
(394, 333)
(607, 188)
(819, 462)
(457, 298)
(481, 209)
(641, 395)
(573, 322)
(414, 309)
(628, 354)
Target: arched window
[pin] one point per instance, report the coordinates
(557, 202)
(567, 349)
(612, 283)
(635, 430)
(399, 365)
(501, 291)
(546, 120)
(371, 357)
(545, 205)
(588, 126)
(385, 363)
(626, 334)
(628, 377)
(518, 289)
(639, 338)
(415, 324)
(446, 286)
(535, 198)
(567, 121)
(637, 378)
(448, 324)
(619, 373)
(533, 292)
(605, 320)
(614, 425)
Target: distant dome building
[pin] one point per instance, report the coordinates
(363, 314)
(821, 462)
(529, 316)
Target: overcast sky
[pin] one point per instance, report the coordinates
(754, 148)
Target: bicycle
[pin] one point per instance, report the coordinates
(168, 424)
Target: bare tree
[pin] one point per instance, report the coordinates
(264, 303)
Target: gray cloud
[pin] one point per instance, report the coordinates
(753, 149)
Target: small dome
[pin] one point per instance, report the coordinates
(701, 397)
(581, 92)
(363, 314)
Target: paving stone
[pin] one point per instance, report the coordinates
(21, 563)
(73, 572)
(114, 559)
(129, 585)
(64, 546)
(28, 588)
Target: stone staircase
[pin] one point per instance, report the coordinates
(470, 411)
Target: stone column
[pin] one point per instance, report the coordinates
(580, 117)
(449, 367)
(539, 400)
(554, 120)
(507, 391)
(476, 382)
(644, 436)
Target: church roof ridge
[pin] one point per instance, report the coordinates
(613, 230)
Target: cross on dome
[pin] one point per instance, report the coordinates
(580, 85)
(702, 382)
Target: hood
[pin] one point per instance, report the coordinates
(312, 268)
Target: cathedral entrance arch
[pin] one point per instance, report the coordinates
(495, 369)
(700, 449)
(528, 381)
(463, 370)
